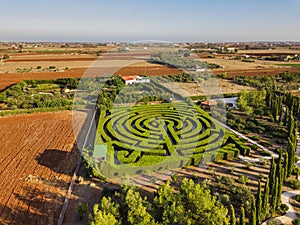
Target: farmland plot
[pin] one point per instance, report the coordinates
(38, 158)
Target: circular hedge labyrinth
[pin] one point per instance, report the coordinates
(154, 134)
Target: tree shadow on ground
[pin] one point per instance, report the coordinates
(59, 161)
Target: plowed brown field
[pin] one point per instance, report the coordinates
(9, 79)
(37, 159)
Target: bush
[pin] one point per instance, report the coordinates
(297, 198)
(278, 150)
(243, 179)
(254, 147)
(265, 153)
(280, 141)
(296, 170)
(5, 56)
(295, 184)
(273, 222)
(265, 144)
(255, 138)
(174, 177)
(283, 208)
(82, 210)
(296, 222)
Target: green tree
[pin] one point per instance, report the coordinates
(232, 220)
(82, 210)
(164, 198)
(273, 202)
(272, 175)
(265, 201)
(296, 222)
(5, 56)
(243, 103)
(137, 213)
(285, 165)
(253, 219)
(258, 202)
(200, 205)
(106, 213)
(242, 217)
(102, 218)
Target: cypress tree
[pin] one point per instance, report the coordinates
(279, 175)
(242, 217)
(280, 184)
(273, 203)
(258, 202)
(265, 202)
(285, 165)
(253, 219)
(280, 108)
(272, 175)
(291, 158)
(232, 220)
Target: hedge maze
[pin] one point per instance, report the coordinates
(162, 136)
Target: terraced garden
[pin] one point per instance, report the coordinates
(158, 137)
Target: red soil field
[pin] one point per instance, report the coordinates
(9, 79)
(44, 59)
(38, 159)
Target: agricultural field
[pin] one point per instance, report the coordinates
(38, 159)
(161, 137)
(219, 87)
(38, 96)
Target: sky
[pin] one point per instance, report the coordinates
(137, 20)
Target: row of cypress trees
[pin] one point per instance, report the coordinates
(284, 108)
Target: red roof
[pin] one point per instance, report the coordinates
(127, 78)
(209, 103)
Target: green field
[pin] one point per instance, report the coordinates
(158, 137)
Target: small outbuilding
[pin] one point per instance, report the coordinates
(208, 104)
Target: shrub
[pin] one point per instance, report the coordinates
(296, 222)
(297, 198)
(5, 56)
(153, 180)
(278, 150)
(174, 177)
(82, 210)
(296, 170)
(243, 179)
(295, 184)
(254, 147)
(280, 141)
(283, 208)
(265, 144)
(250, 165)
(273, 222)
(265, 153)
(255, 138)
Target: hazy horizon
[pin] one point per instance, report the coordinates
(132, 20)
